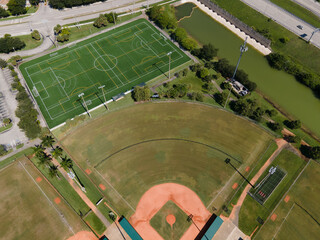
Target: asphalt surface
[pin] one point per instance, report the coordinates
(311, 5)
(285, 19)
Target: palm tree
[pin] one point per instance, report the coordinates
(37, 148)
(66, 163)
(53, 171)
(44, 159)
(48, 141)
(57, 152)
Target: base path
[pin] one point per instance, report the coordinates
(154, 199)
(234, 216)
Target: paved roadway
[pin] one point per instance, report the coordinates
(311, 5)
(285, 19)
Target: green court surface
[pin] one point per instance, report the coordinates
(119, 59)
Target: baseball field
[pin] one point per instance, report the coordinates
(69, 81)
(128, 151)
(30, 208)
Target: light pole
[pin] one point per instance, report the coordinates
(243, 49)
(228, 161)
(104, 96)
(169, 55)
(317, 30)
(84, 103)
(114, 19)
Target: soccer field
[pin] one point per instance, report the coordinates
(119, 59)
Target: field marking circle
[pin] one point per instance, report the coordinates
(108, 57)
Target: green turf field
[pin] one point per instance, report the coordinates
(135, 148)
(299, 217)
(119, 59)
(167, 231)
(28, 209)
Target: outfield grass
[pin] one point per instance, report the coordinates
(251, 210)
(299, 11)
(160, 223)
(119, 59)
(300, 222)
(26, 213)
(108, 150)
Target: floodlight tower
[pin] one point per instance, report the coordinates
(84, 103)
(169, 55)
(104, 96)
(190, 219)
(228, 161)
(317, 30)
(243, 49)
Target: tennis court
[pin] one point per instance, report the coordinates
(118, 60)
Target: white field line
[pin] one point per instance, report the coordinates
(60, 214)
(227, 184)
(284, 196)
(283, 221)
(115, 190)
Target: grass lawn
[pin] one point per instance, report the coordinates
(94, 222)
(296, 219)
(11, 159)
(28, 209)
(189, 144)
(167, 231)
(299, 11)
(4, 128)
(119, 59)
(251, 210)
(104, 209)
(65, 189)
(30, 42)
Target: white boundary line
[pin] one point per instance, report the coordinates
(283, 221)
(60, 214)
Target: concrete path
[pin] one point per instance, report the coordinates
(234, 216)
(286, 19)
(83, 196)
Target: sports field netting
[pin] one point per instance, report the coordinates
(268, 185)
(119, 59)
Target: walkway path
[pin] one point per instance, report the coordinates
(285, 18)
(234, 216)
(82, 195)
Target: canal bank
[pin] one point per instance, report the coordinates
(281, 88)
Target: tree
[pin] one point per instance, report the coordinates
(208, 52)
(179, 34)
(141, 93)
(37, 148)
(66, 163)
(3, 63)
(3, 13)
(14, 60)
(48, 141)
(64, 35)
(208, 86)
(310, 152)
(44, 159)
(53, 171)
(36, 35)
(110, 15)
(56, 152)
(294, 124)
(57, 29)
(10, 44)
(3, 150)
(275, 126)
(34, 2)
(101, 21)
(203, 73)
(17, 7)
(293, 139)
(221, 97)
(154, 12)
(6, 121)
(189, 44)
(271, 112)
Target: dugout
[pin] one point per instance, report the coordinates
(210, 228)
(133, 234)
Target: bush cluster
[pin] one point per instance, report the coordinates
(25, 110)
(282, 62)
(164, 18)
(10, 44)
(249, 108)
(60, 4)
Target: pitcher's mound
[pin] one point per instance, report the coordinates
(171, 219)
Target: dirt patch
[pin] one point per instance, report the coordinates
(57, 200)
(171, 219)
(102, 187)
(273, 217)
(88, 171)
(83, 235)
(38, 179)
(286, 199)
(235, 185)
(247, 169)
(154, 199)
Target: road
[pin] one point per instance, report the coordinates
(285, 19)
(311, 5)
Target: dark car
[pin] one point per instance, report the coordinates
(300, 27)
